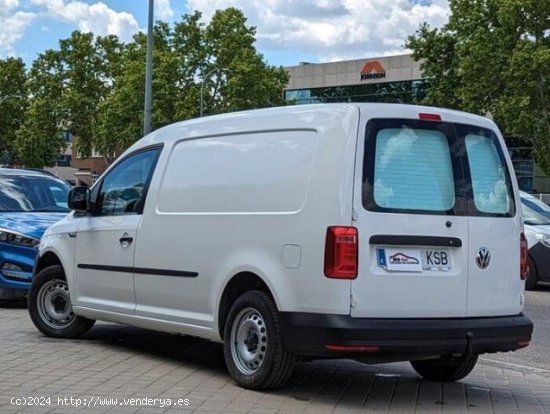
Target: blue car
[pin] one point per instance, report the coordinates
(30, 202)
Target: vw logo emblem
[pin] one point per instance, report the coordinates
(483, 258)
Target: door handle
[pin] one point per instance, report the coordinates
(125, 240)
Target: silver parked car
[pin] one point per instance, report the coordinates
(536, 216)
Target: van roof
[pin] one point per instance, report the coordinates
(271, 118)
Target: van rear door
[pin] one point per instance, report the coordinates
(413, 256)
(438, 230)
(494, 283)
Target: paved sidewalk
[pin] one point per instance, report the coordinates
(116, 362)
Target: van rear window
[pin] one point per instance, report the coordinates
(491, 194)
(413, 170)
(424, 167)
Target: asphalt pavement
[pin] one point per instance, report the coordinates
(117, 368)
(537, 354)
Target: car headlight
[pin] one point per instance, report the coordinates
(11, 237)
(543, 238)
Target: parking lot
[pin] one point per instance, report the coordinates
(122, 369)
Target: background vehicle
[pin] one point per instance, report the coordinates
(369, 231)
(30, 201)
(536, 216)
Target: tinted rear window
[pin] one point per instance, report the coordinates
(413, 170)
(488, 172)
(421, 167)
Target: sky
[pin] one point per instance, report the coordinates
(288, 31)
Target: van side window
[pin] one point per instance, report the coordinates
(413, 170)
(489, 182)
(123, 189)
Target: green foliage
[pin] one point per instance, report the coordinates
(66, 87)
(218, 59)
(38, 139)
(493, 57)
(95, 86)
(12, 101)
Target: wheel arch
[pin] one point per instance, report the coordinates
(46, 260)
(240, 283)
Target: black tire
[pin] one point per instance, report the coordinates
(271, 365)
(444, 369)
(533, 277)
(50, 308)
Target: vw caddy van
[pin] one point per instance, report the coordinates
(376, 232)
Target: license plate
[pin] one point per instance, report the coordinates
(397, 259)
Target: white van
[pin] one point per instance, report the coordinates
(369, 231)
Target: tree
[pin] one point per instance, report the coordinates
(120, 114)
(39, 139)
(66, 88)
(94, 86)
(238, 77)
(248, 82)
(12, 101)
(493, 57)
(92, 65)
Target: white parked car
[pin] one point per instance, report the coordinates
(369, 231)
(536, 216)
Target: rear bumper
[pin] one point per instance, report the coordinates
(309, 334)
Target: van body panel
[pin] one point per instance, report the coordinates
(428, 294)
(497, 289)
(98, 252)
(223, 224)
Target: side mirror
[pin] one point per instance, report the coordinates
(79, 199)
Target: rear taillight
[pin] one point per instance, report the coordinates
(341, 252)
(524, 261)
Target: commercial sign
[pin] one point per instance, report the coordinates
(373, 70)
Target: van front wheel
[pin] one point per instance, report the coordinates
(254, 351)
(444, 369)
(50, 306)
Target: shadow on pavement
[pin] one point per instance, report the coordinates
(174, 348)
(13, 304)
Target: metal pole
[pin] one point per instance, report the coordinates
(202, 87)
(149, 72)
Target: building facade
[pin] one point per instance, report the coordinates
(395, 79)
(384, 79)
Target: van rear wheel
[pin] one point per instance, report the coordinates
(254, 351)
(50, 306)
(444, 369)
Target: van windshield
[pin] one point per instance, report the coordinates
(422, 167)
